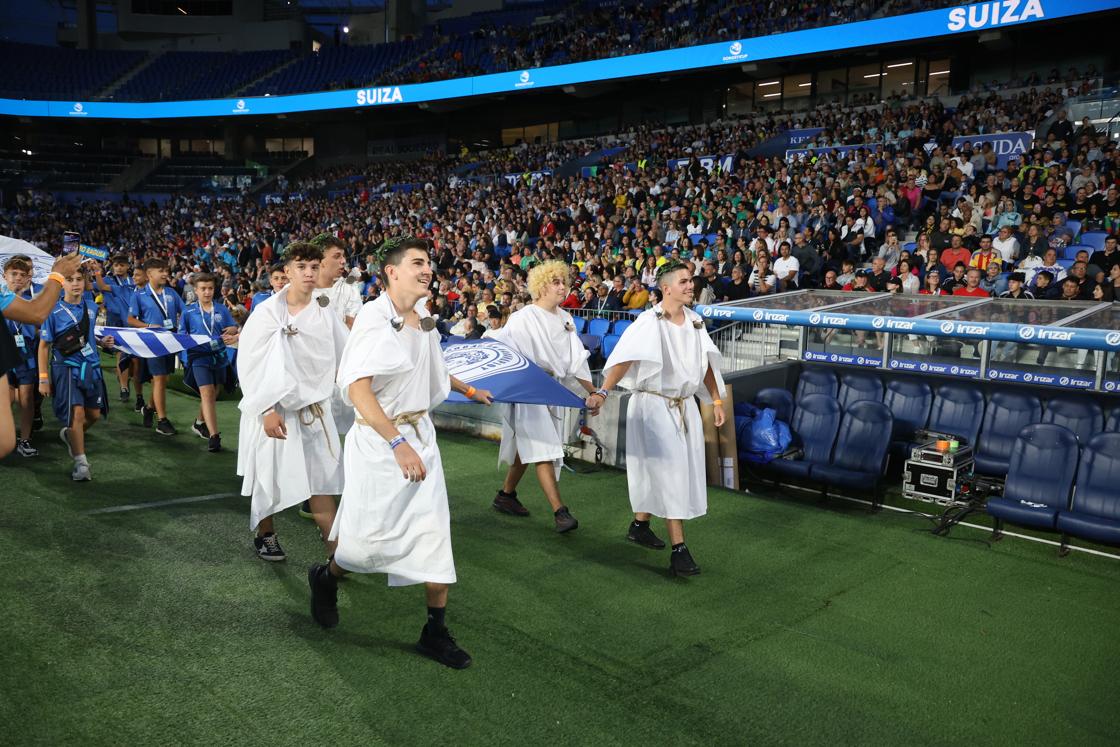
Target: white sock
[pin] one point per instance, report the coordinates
(81, 459)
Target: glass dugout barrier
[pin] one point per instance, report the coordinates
(1107, 318)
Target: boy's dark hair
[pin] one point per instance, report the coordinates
(119, 259)
(302, 251)
(327, 240)
(204, 277)
(156, 263)
(19, 262)
(276, 267)
(392, 251)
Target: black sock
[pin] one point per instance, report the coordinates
(641, 524)
(507, 495)
(435, 617)
(678, 547)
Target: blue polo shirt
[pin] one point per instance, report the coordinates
(6, 297)
(195, 321)
(164, 312)
(64, 316)
(118, 299)
(257, 298)
(26, 335)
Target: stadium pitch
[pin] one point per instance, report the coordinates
(811, 622)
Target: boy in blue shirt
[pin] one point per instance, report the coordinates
(116, 293)
(157, 307)
(67, 350)
(24, 377)
(207, 365)
(277, 278)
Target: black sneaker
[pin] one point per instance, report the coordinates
(268, 547)
(565, 522)
(324, 595)
(215, 443)
(164, 427)
(439, 645)
(682, 564)
(126, 395)
(644, 536)
(507, 503)
(139, 406)
(25, 449)
(199, 429)
(149, 416)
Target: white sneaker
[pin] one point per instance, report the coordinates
(25, 449)
(64, 436)
(81, 473)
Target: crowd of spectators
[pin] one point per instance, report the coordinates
(908, 213)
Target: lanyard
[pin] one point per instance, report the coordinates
(202, 315)
(70, 313)
(159, 299)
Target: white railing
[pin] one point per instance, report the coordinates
(746, 345)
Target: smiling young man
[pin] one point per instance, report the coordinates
(531, 434)
(393, 517)
(288, 450)
(667, 359)
(277, 279)
(157, 307)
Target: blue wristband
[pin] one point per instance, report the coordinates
(396, 442)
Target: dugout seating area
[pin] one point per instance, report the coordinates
(1060, 459)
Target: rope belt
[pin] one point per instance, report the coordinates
(677, 402)
(314, 412)
(405, 418)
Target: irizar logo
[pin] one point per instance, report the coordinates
(1042, 333)
(1113, 339)
(524, 80)
(1064, 381)
(384, 95)
(718, 313)
(1026, 333)
(814, 318)
(762, 315)
(985, 15)
(900, 324)
(735, 52)
(947, 328)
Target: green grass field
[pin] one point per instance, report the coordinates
(811, 623)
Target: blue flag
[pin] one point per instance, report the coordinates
(150, 343)
(510, 376)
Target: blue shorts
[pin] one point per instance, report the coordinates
(162, 366)
(71, 389)
(23, 375)
(205, 373)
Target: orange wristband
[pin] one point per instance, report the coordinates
(43, 377)
(717, 403)
(469, 394)
(58, 277)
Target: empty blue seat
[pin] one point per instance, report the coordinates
(860, 453)
(957, 410)
(816, 381)
(778, 400)
(599, 327)
(1039, 478)
(859, 387)
(620, 326)
(1075, 226)
(1094, 239)
(909, 402)
(1006, 416)
(608, 345)
(1112, 425)
(1080, 414)
(813, 427)
(580, 324)
(1095, 514)
(591, 342)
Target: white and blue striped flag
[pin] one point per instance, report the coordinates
(150, 343)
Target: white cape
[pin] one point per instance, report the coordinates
(665, 470)
(386, 524)
(535, 432)
(289, 372)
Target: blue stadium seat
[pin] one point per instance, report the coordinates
(620, 326)
(599, 327)
(909, 402)
(1094, 239)
(1075, 226)
(1070, 252)
(608, 345)
(860, 453)
(1006, 415)
(816, 381)
(858, 387)
(813, 427)
(778, 400)
(1095, 515)
(580, 324)
(591, 342)
(957, 410)
(1112, 425)
(1064, 263)
(1039, 478)
(1080, 414)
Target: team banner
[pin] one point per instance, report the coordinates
(1064, 337)
(510, 376)
(829, 151)
(150, 343)
(1006, 145)
(726, 164)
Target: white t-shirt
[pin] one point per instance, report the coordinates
(1008, 250)
(783, 266)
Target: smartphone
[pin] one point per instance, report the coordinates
(71, 241)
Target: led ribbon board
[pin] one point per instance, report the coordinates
(944, 22)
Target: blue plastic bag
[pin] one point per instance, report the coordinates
(760, 435)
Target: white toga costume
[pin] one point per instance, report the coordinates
(345, 301)
(386, 524)
(534, 432)
(665, 469)
(288, 363)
